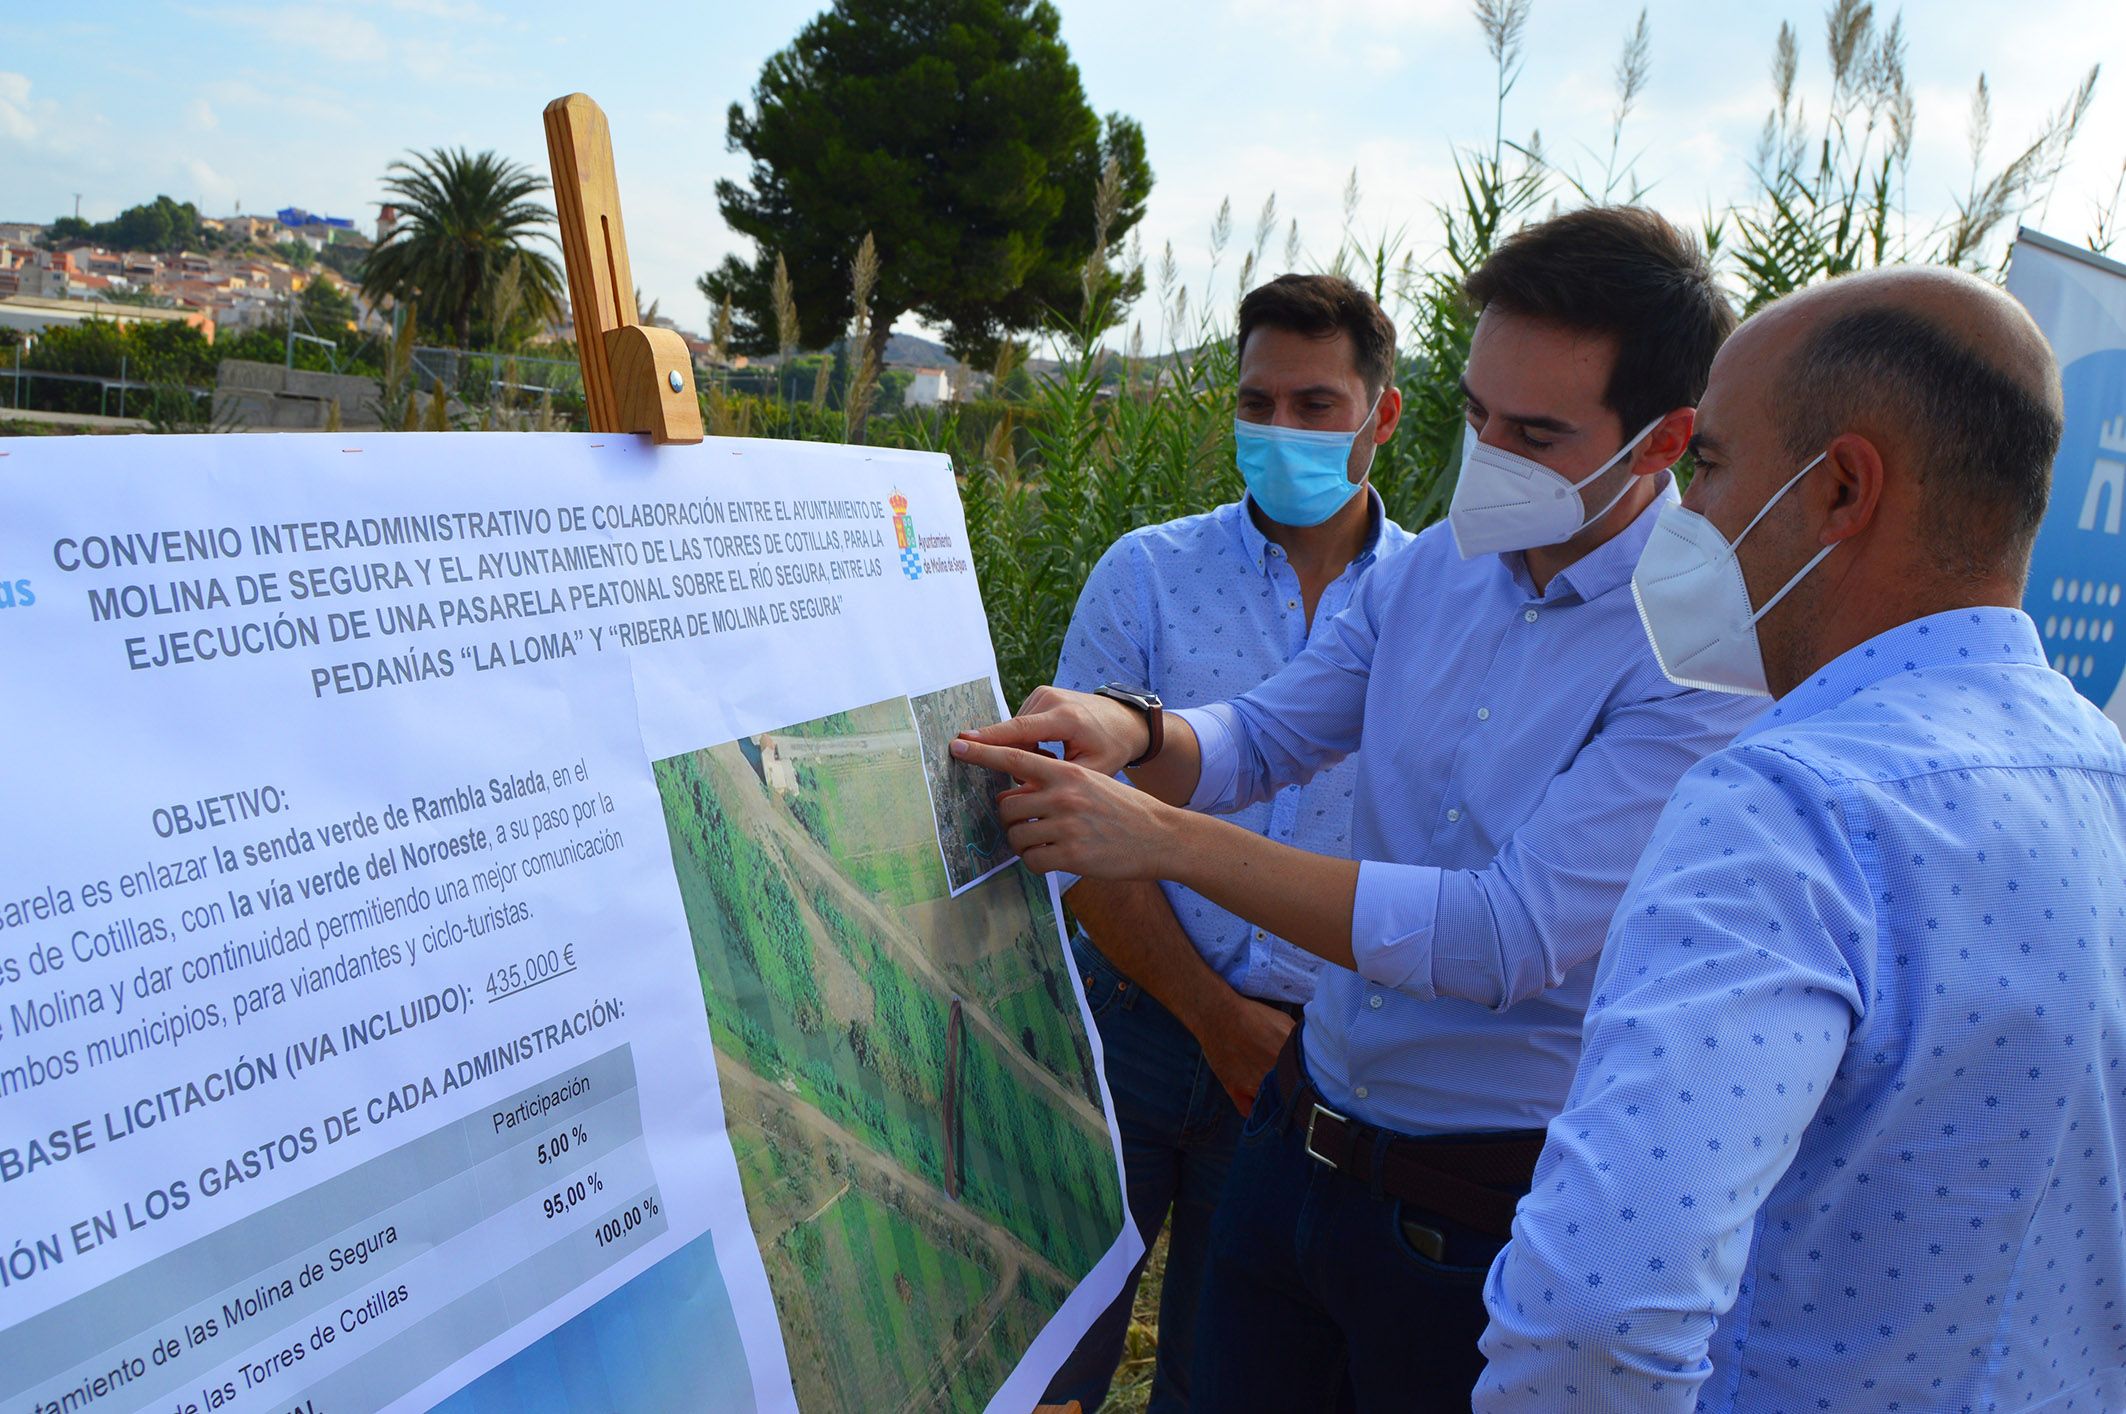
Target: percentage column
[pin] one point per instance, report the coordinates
(568, 1195)
(640, 1214)
(575, 1136)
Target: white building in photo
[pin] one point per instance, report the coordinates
(931, 387)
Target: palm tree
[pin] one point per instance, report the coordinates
(463, 219)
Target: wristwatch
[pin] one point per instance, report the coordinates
(1154, 715)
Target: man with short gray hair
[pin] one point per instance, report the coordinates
(1845, 1130)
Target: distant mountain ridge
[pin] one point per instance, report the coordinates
(914, 351)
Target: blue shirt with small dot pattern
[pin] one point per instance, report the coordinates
(1846, 1128)
(1197, 610)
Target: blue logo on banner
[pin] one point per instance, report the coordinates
(2078, 570)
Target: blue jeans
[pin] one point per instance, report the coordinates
(1178, 1131)
(1317, 1296)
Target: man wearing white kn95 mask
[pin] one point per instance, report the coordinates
(1846, 1131)
(1519, 738)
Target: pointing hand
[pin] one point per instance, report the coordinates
(1098, 733)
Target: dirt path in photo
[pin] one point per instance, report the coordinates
(760, 1091)
(762, 818)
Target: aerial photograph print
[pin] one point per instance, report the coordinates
(913, 1101)
(962, 797)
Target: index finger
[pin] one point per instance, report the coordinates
(1025, 732)
(1034, 767)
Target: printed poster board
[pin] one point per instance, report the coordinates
(477, 931)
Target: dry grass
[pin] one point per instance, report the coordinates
(1132, 1388)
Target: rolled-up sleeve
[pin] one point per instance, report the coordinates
(1732, 979)
(1512, 929)
(1218, 758)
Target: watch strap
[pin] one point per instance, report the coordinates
(1155, 736)
(1154, 712)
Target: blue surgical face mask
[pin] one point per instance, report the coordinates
(1299, 477)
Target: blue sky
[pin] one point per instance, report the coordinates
(304, 102)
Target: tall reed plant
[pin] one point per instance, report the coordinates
(1831, 191)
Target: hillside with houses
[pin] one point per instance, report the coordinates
(234, 273)
(287, 289)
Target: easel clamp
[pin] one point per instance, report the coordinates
(636, 378)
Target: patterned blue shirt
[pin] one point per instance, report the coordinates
(1847, 1128)
(1518, 748)
(1200, 609)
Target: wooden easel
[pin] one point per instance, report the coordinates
(635, 378)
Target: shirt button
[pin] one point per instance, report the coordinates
(1291, 603)
(1453, 815)
(1530, 616)
(1360, 1092)
(1374, 1003)
(1260, 935)
(1483, 714)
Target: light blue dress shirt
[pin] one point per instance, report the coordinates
(1847, 1128)
(1198, 610)
(1518, 747)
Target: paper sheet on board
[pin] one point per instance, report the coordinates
(476, 934)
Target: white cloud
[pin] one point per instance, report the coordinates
(208, 185)
(280, 103)
(428, 41)
(464, 11)
(15, 120)
(1384, 15)
(329, 32)
(200, 114)
(1370, 35)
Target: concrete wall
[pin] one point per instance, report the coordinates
(292, 399)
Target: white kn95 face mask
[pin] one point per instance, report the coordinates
(1694, 602)
(1505, 501)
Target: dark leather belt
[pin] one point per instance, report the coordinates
(1475, 1179)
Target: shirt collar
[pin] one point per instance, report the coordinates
(1608, 565)
(1991, 634)
(1257, 544)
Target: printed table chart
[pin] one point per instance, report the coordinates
(253, 1317)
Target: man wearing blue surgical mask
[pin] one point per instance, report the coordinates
(1193, 1002)
(1519, 739)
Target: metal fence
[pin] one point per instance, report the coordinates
(483, 376)
(111, 390)
(477, 378)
